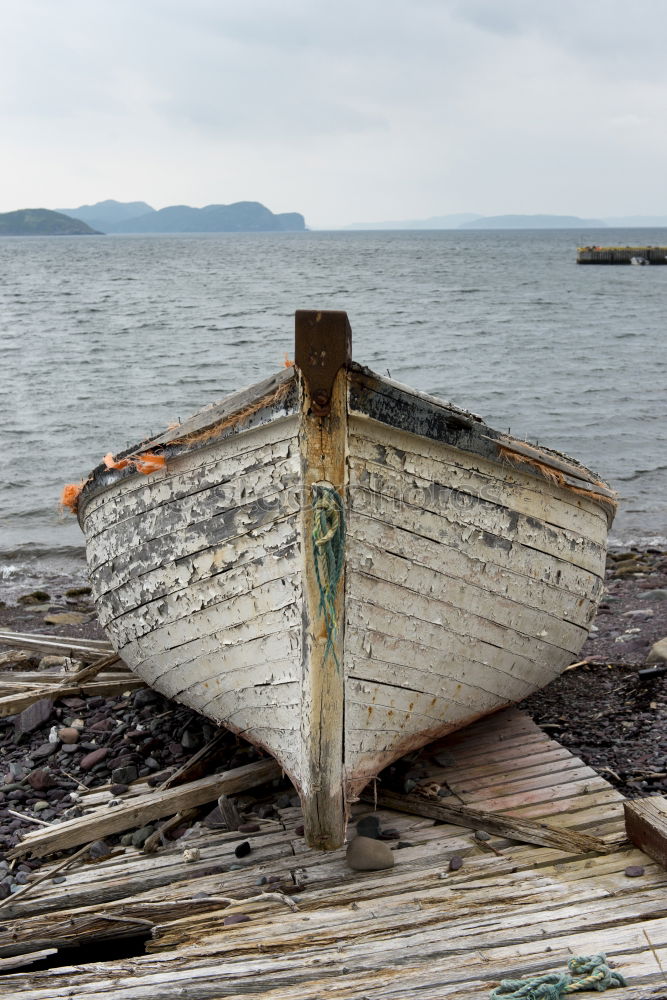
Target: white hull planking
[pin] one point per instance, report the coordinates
(469, 585)
(457, 603)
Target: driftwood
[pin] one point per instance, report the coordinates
(499, 824)
(144, 809)
(229, 812)
(156, 839)
(105, 686)
(56, 645)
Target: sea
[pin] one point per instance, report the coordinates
(106, 339)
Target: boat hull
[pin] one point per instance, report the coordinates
(470, 572)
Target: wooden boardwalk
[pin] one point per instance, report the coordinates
(416, 931)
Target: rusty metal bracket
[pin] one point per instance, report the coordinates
(322, 346)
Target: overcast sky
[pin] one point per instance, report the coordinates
(346, 110)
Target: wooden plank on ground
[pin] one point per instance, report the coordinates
(646, 826)
(512, 827)
(144, 809)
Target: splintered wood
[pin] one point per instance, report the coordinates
(419, 929)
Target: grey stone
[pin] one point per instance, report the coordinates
(54, 663)
(658, 652)
(369, 826)
(367, 855)
(43, 751)
(139, 837)
(124, 775)
(67, 618)
(190, 740)
(659, 594)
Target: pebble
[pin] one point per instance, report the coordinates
(235, 918)
(68, 735)
(44, 750)
(249, 828)
(299, 830)
(41, 779)
(482, 835)
(93, 758)
(369, 826)
(658, 652)
(118, 788)
(634, 871)
(365, 854)
(659, 594)
(455, 863)
(99, 849)
(262, 880)
(242, 849)
(389, 834)
(67, 618)
(35, 597)
(139, 837)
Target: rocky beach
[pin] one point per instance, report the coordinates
(610, 709)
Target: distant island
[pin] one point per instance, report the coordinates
(106, 214)
(42, 222)
(532, 222)
(471, 220)
(138, 217)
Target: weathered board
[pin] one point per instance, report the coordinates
(418, 929)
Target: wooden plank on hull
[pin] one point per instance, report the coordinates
(468, 476)
(495, 526)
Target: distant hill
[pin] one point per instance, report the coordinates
(532, 222)
(42, 222)
(435, 222)
(105, 214)
(638, 221)
(242, 216)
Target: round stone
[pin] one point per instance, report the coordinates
(365, 854)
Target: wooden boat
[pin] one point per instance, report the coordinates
(341, 569)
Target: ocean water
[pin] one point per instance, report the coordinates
(106, 339)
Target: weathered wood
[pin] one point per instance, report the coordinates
(229, 812)
(14, 703)
(502, 826)
(144, 809)
(323, 449)
(416, 929)
(646, 826)
(56, 645)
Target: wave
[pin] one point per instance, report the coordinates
(638, 473)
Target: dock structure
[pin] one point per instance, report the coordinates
(431, 926)
(621, 255)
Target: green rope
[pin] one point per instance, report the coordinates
(328, 556)
(592, 973)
